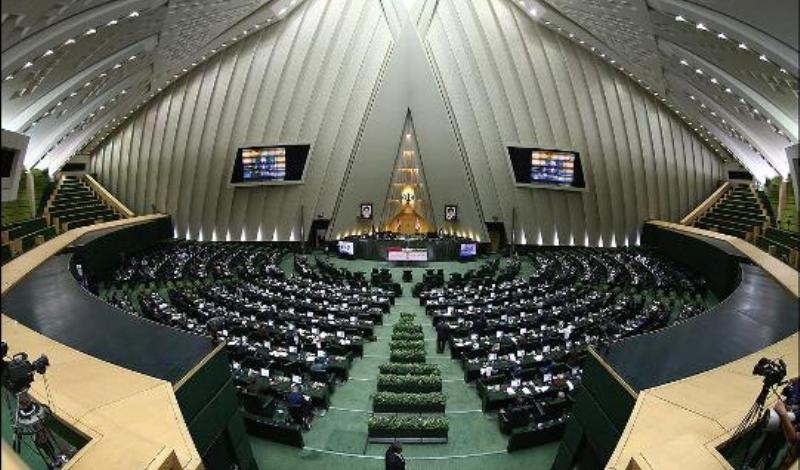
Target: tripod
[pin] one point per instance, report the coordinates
(29, 422)
(751, 418)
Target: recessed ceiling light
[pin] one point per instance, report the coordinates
(112, 23)
(90, 31)
(742, 46)
(714, 81)
(47, 53)
(681, 19)
(722, 36)
(69, 41)
(763, 58)
(701, 27)
(133, 14)
(9, 77)
(133, 57)
(27, 65)
(683, 62)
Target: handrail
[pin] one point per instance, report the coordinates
(108, 197)
(691, 217)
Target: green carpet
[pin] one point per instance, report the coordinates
(338, 440)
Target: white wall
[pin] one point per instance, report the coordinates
(310, 79)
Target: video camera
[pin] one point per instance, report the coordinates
(18, 372)
(772, 370)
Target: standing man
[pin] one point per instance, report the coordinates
(442, 332)
(394, 457)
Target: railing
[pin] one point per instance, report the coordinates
(108, 197)
(704, 206)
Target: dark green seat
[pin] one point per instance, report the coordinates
(784, 237)
(24, 228)
(29, 241)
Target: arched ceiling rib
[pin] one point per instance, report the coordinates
(64, 62)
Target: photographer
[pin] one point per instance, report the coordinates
(787, 411)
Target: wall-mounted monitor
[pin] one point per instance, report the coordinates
(270, 165)
(546, 168)
(346, 248)
(12, 154)
(451, 212)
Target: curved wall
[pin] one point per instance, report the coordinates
(503, 79)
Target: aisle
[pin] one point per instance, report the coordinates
(338, 440)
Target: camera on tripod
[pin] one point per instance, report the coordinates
(772, 370)
(18, 372)
(29, 417)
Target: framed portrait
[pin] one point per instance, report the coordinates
(365, 211)
(450, 212)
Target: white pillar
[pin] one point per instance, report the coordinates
(31, 192)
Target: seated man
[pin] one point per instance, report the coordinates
(299, 408)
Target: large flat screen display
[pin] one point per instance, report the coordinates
(275, 164)
(545, 168)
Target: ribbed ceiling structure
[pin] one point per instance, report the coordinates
(74, 70)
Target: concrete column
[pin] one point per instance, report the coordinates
(31, 192)
(781, 199)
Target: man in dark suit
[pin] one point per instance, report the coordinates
(442, 331)
(394, 457)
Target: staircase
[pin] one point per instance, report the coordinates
(737, 213)
(74, 204)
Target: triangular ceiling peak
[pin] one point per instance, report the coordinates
(407, 208)
(409, 85)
